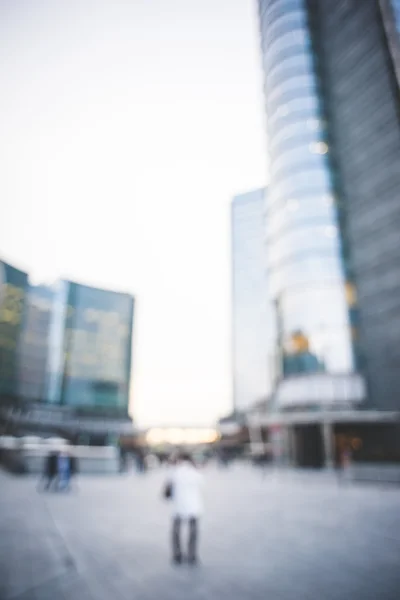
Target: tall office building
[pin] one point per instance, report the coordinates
(252, 318)
(75, 347)
(90, 342)
(65, 358)
(34, 346)
(13, 286)
(333, 210)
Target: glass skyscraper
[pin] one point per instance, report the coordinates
(65, 358)
(90, 343)
(252, 318)
(13, 286)
(333, 209)
(306, 270)
(34, 346)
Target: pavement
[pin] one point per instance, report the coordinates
(279, 536)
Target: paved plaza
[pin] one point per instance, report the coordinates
(284, 536)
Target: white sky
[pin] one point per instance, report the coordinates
(126, 128)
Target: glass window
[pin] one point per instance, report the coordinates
(323, 269)
(281, 120)
(294, 159)
(297, 82)
(290, 99)
(289, 38)
(312, 181)
(285, 22)
(299, 184)
(302, 59)
(271, 59)
(290, 139)
(292, 131)
(316, 324)
(286, 156)
(317, 209)
(293, 67)
(307, 104)
(313, 238)
(277, 10)
(98, 347)
(298, 168)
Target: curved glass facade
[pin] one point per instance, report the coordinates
(306, 270)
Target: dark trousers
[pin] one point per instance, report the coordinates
(51, 481)
(192, 540)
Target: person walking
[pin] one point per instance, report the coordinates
(185, 489)
(51, 469)
(344, 463)
(67, 468)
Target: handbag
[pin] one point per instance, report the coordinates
(168, 491)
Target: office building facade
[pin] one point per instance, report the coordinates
(33, 356)
(252, 317)
(13, 286)
(333, 210)
(360, 96)
(65, 359)
(90, 342)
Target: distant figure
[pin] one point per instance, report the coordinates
(345, 464)
(123, 460)
(223, 458)
(74, 467)
(51, 469)
(264, 462)
(184, 487)
(173, 459)
(141, 461)
(64, 470)
(67, 468)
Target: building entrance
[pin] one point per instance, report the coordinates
(308, 446)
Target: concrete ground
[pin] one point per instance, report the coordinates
(282, 536)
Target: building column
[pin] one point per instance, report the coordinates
(255, 436)
(287, 444)
(292, 446)
(327, 435)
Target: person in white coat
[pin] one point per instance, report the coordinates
(185, 483)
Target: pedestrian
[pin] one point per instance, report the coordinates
(223, 458)
(74, 466)
(141, 461)
(184, 488)
(64, 470)
(345, 464)
(51, 469)
(265, 460)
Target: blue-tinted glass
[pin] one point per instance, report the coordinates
(273, 11)
(396, 11)
(322, 317)
(97, 343)
(287, 96)
(286, 23)
(283, 53)
(13, 285)
(298, 158)
(304, 254)
(253, 318)
(300, 211)
(292, 67)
